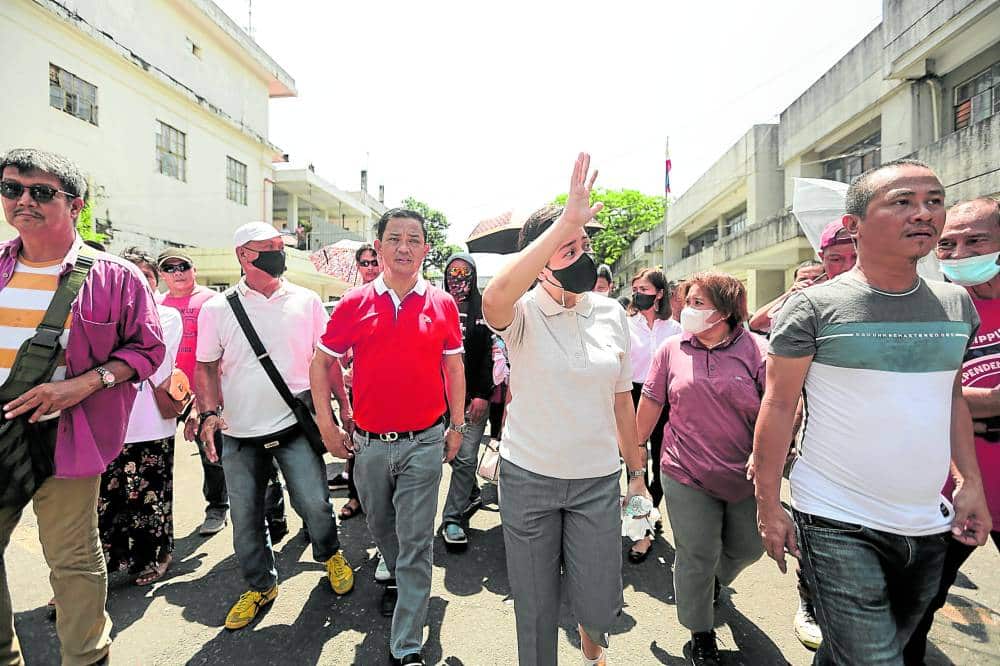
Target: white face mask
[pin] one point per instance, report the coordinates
(695, 321)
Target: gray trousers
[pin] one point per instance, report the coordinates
(713, 539)
(572, 522)
(398, 484)
(463, 472)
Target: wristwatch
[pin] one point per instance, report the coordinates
(460, 428)
(636, 474)
(107, 378)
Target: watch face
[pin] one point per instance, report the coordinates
(109, 378)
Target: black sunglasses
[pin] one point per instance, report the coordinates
(11, 189)
(182, 267)
(365, 263)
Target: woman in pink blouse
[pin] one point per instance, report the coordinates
(712, 378)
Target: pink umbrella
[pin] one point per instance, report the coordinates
(338, 260)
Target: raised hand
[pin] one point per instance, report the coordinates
(578, 210)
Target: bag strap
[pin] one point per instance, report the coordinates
(44, 344)
(263, 356)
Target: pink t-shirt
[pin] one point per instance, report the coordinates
(981, 369)
(189, 307)
(714, 397)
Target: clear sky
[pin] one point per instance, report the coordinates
(479, 108)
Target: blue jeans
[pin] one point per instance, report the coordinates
(398, 482)
(248, 469)
(869, 588)
(463, 473)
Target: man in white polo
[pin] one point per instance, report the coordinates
(258, 426)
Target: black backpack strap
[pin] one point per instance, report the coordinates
(262, 354)
(33, 364)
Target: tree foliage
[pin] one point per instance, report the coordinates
(85, 224)
(437, 234)
(626, 214)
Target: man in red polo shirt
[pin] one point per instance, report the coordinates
(405, 335)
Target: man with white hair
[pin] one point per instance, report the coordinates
(256, 426)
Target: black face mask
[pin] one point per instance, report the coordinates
(271, 262)
(579, 277)
(643, 301)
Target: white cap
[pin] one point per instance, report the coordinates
(254, 231)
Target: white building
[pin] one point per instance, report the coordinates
(163, 103)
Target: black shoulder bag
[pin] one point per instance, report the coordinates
(300, 404)
(27, 450)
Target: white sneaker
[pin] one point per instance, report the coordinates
(806, 628)
(382, 574)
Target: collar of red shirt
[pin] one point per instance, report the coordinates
(550, 307)
(695, 342)
(381, 287)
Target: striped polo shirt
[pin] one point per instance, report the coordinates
(876, 443)
(23, 303)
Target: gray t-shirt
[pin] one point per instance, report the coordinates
(876, 444)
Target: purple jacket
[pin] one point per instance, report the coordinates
(114, 317)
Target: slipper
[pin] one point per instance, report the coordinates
(349, 511)
(153, 572)
(50, 609)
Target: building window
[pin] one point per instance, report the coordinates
(978, 98)
(862, 156)
(236, 181)
(736, 222)
(72, 94)
(698, 243)
(171, 152)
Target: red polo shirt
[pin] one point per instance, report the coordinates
(398, 348)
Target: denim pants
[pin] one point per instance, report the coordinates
(463, 472)
(573, 523)
(248, 469)
(958, 553)
(714, 539)
(214, 486)
(398, 482)
(869, 588)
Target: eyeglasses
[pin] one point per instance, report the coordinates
(365, 263)
(459, 271)
(182, 267)
(11, 189)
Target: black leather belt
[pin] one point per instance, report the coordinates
(393, 436)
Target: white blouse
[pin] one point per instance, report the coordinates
(645, 342)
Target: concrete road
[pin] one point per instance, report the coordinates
(471, 616)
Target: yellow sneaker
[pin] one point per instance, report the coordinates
(340, 573)
(246, 609)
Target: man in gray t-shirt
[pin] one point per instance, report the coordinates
(875, 354)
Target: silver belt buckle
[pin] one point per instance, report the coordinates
(271, 445)
(389, 436)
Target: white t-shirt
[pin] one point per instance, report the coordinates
(289, 325)
(566, 365)
(645, 342)
(145, 423)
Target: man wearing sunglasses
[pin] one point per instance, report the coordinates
(463, 494)
(112, 339)
(186, 296)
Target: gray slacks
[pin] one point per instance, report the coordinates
(398, 487)
(713, 539)
(548, 522)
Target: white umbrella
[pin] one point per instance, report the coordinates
(817, 202)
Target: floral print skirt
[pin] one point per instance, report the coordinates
(135, 510)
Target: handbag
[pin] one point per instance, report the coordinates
(173, 396)
(27, 450)
(489, 462)
(301, 404)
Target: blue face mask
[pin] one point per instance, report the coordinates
(971, 271)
